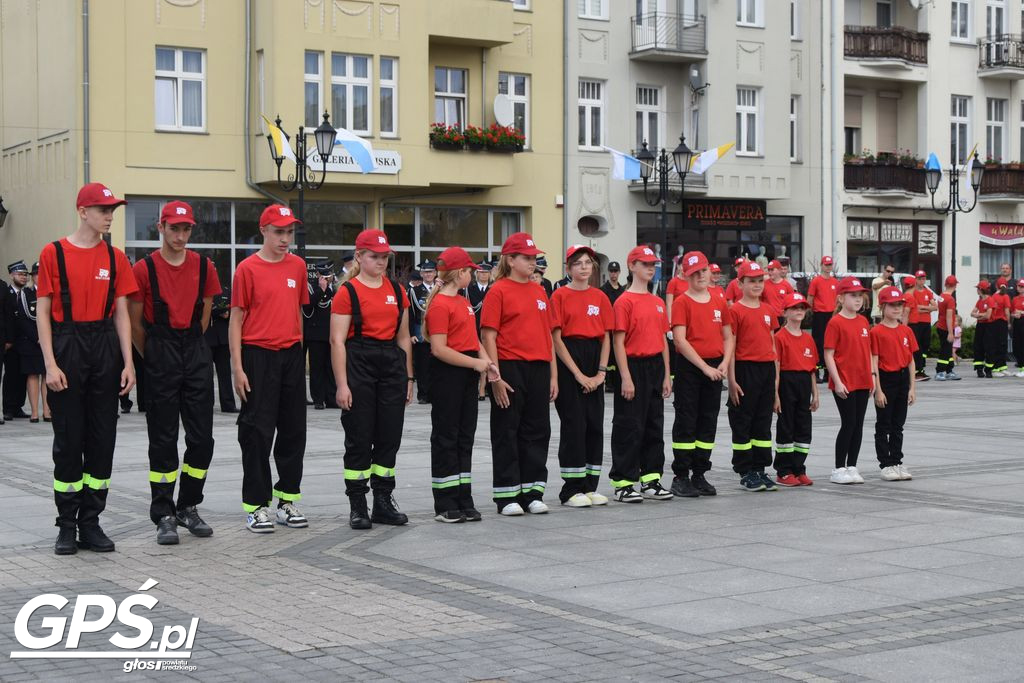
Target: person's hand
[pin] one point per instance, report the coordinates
(666, 387)
(814, 404)
(127, 380)
(949, 337)
(553, 392)
(777, 406)
(501, 389)
(323, 283)
(8, 347)
(343, 397)
(55, 379)
(628, 390)
(735, 393)
(414, 339)
(839, 389)
(481, 364)
(713, 374)
(242, 385)
(912, 396)
(409, 392)
(880, 399)
(493, 374)
(723, 369)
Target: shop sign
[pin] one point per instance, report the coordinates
(927, 239)
(897, 232)
(725, 213)
(387, 162)
(1001, 234)
(862, 230)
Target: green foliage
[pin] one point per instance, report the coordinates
(966, 344)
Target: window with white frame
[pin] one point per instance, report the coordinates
(313, 88)
(450, 96)
(960, 20)
(995, 18)
(995, 128)
(750, 12)
(747, 121)
(591, 114)
(959, 128)
(388, 97)
(350, 92)
(794, 128)
(521, 4)
(261, 89)
(517, 88)
(794, 19)
(883, 13)
(648, 117)
(593, 9)
(179, 92)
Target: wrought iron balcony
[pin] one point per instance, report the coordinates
(660, 36)
(883, 178)
(894, 44)
(1001, 56)
(1002, 182)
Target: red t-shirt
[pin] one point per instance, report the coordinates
(753, 328)
(677, 286)
(775, 294)
(703, 323)
(582, 313)
(849, 337)
(715, 289)
(378, 308)
(1017, 303)
(733, 292)
(999, 304)
(982, 306)
(644, 320)
(823, 289)
(921, 298)
(179, 287)
(453, 316)
(894, 346)
(796, 352)
(946, 303)
(270, 293)
(88, 279)
(519, 312)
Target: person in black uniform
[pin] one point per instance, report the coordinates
(317, 336)
(542, 266)
(7, 330)
(217, 339)
(14, 392)
(29, 352)
(477, 290)
(613, 290)
(418, 295)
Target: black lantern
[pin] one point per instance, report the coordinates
(977, 172)
(646, 158)
(682, 156)
(325, 135)
(932, 178)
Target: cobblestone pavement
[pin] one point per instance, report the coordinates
(903, 581)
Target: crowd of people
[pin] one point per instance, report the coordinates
(463, 332)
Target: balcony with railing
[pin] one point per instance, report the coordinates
(886, 47)
(695, 182)
(664, 37)
(883, 179)
(1004, 182)
(1001, 56)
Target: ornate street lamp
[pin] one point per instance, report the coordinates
(682, 155)
(932, 178)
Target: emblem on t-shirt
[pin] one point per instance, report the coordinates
(906, 342)
(863, 331)
(103, 274)
(807, 352)
(593, 310)
(718, 315)
(542, 305)
(391, 301)
(660, 309)
(470, 309)
(291, 283)
(768, 320)
(833, 287)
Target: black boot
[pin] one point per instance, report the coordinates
(92, 538)
(385, 510)
(682, 488)
(702, 485)
(167, 531)
(65, 544)
(359, 516)
(90, 535)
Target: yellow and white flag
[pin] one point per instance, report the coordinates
(704, 160)
(966, 192)
(280, 140)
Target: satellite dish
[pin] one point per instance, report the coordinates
(503, 113)
(916, 4)
(695, 81)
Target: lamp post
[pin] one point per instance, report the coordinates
(304, 177)
(932, 178)
(681, 157)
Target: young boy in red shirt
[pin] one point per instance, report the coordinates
(1017, 318)
(796, 394)
(921, 322)
(945, 328)
(265, 336)
(85, 336)
(995, 351)
(776, 290)
(982, 313)
(821, 295)
(752, 375)
(892, 361)
(170, 313)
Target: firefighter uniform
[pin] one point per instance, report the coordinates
(421, 358)
(317, 339)
(217, 339)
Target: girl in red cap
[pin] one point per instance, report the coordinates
(371, 353)
(1017, 316)
(581, 320)
(516, 330)
(892, 363)
(921, 322)
(848, 359)
(641, 354)
(265, 336)
(982, 313)
(995, 342)
(944, 329)
(702, 335)
(796, 394)
(458, 363)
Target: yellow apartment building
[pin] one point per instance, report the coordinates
(164, 99)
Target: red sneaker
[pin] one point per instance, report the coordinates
(788, 480)
(805, 480)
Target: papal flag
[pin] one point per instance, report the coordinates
(280, 140)
(624, 166)
(704, 160)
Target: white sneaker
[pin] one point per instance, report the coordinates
(891, 473)
(854, 475)
(512, 510)
(289, 516)
(597, 498)
(579, 500)
(841, 475)
(999, 373)
(1020, 374)
(904, 473)
(537, 507)
(258, 521)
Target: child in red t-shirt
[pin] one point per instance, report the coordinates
(516, 330)
(995, 348)
(1017, 318)
(265, 336)
(371, 353)
(581, 322)
(982, 313)
(458, 362)
(848, 359)
(752, 377)
(796, 394)
(893, 345)
(704, 344)
(641, 353)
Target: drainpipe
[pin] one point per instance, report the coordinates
(483, 86)
(565, 124)
(834, 160)
(85, 91)
(248, 96)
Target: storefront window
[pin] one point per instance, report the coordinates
(329, 223)
(423, 232)
(907, 245)
(992, 258)
(440, 227)
(400, 225)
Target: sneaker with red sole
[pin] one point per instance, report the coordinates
(788, 480)
(805, 480)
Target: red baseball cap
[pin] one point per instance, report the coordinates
(773, 264)
(576, 248)
(373, 240)
(455, 258)
(951, 280)
(739, 262)
(984, 285)
(715, 268)
(826, 260)
(278, 215)
(97, 194)
(890, 295)
(1001, 282)
(1020, 282)
(641, 253)
(520, 243)
(850, 284)
(920, 274)
(694, 261)
(177, 212)
(909, 281)
(795, 299)
(750, 269)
